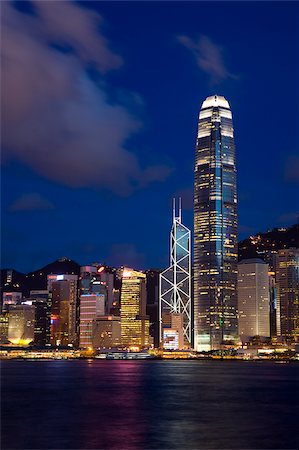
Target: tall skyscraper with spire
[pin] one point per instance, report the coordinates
(175, 288)
(215, 227)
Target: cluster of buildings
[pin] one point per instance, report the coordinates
(207, 302)
(81, 311)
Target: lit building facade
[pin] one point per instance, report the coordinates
(175, 281)
(272, 294)
(134, 321)
(42, 334)
(11, 298)
(170, 339)
(63, 299)
(253, 299)
(21, 324)
(92, 306)
(215, 227)
(287, 290)
(106, 332)
(98, 280)
(4, 328)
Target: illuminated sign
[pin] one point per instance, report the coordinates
(100, 269)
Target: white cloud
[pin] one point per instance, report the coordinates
(209, 57)
(55, 119)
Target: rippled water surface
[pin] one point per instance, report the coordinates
(138, 405)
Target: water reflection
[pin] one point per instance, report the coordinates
(130, 405)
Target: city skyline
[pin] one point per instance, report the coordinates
(44, 215)
(150, 224)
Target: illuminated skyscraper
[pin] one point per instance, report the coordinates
(63, 297)
(175, 281)
(215, 227)
(134, 322)
(253, 298)
(287, 283)
(92, 306)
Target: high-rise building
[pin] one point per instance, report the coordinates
(98, 280)
(287, 285)
(11, 298)
(253, 299)
(92, 306)
(134, 321)
(215, 227)
(21, 324)
(63, 296)
(42, 316)
(175, 281)
(4, 327)
(42, 331)
(272, 296)
(106, 332)
(152, 307)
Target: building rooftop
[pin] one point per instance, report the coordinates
(215, 100)
(252, 261)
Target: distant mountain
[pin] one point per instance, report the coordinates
(273, 240)
(37, 279)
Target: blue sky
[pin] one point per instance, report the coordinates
(100, 106)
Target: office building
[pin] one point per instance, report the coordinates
(272, 297)
(152, 307)
(42, 317)
(106, 332)
(134, 321)
(4, 328)
(170, 339)
(173, 334)
(287, 290)
(11, 298)
(98, 279)
(215, 228)
(253, 299)
(21, 324)
(175, 281)
(39, 294)
(42, 331)
(63, 298)
(92, 306)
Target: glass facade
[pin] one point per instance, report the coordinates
(215, 227)
(287, 279)
(253, 299)
(175, 282)
(63, 296)
(134, 321)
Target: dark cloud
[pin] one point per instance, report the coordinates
(291, 171)
(209, 57)
(55, 119)
(288, 218)
(244, 229)
(127, 255)
(31, 202)
(186, 195)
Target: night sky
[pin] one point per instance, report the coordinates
(99, 117)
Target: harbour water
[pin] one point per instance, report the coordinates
(139, 405)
